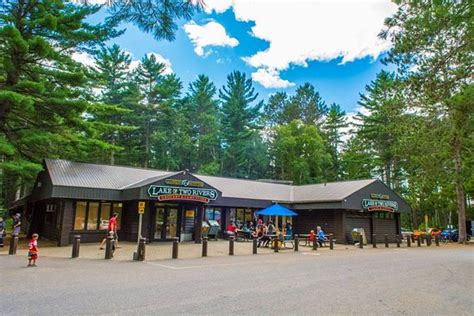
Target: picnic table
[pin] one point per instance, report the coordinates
(307, 242)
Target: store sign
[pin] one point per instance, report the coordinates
(185, 183)
(380, 196)
(166, 193)
(379, 205)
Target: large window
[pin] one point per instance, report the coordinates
(214, 214)
(92, 215)
(96, 214)
(80, 217)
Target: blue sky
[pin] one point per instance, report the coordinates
(331, 44)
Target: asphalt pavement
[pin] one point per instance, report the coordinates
(415, 281)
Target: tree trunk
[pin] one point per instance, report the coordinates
(459, 190)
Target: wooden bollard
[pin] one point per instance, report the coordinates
(422, 239)
(141, 249)
(204, 246)
(361, 241)
(412, 236)
(428, 240)
(174, 254)
(275, 245)
(109, 247)
(315, 243)
(254, 246)
(418, 241)
(13, 245)
(231, 246)
(437, 240)
(75, 246)
(331, 242)
(398, 240)
(374, 241)
(297, 241)
(386, 241)
(408, 242)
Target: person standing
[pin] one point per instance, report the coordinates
(289, 230)
(320, 235)
(2, 230)
(111, 231)
(16, 225)
(33, 250)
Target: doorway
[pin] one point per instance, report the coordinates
(166, 222)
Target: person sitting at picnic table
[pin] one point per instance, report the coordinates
(231, 228)
(270, 231)
(320, 235)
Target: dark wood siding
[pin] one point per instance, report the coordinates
(384, 227)
(308, 220)
(359, 221)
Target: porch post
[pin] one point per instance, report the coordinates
(198, 228)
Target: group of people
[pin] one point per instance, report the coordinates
(319, 237)
(261, 231)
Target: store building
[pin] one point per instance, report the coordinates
(72, 198)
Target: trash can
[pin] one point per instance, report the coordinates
(214, 228)
(356, 232)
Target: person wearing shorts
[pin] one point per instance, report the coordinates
(33, 250)
(111, 231)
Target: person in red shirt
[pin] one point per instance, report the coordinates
(112, 228)
(33, 250)
(231, 229)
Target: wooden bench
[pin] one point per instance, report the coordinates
(243, 236)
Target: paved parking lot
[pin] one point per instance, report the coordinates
(421, 281)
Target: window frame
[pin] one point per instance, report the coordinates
(86, 215)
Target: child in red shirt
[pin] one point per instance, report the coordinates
(33, 250)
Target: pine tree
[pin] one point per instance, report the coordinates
(334, 126)
(42, 99)
(432, 49)
(380, 126)
(112, 72)
(202, 113)
(306, 105)
(239, 124)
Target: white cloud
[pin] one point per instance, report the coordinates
(219, 6)
(83, 58)
(307, 30)
(269, 78)
(210, 34)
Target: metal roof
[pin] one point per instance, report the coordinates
(332, 191)
(76, 174)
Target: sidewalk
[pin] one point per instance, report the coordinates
(188, 250)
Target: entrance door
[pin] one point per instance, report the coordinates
(166, 223)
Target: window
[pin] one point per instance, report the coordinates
(96, 214)
(50, 217)
(92, 215)
(80, 217)
(104, 215)
(213, 214)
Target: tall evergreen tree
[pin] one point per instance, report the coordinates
(149, 74)
(42, 99)
(381, 125)
(432, 49)
(112, 72)
(239, 123)
(202, 113)
(306, 105)
(334, 126)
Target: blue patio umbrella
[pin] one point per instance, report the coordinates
(277, 210)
